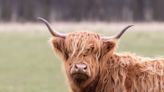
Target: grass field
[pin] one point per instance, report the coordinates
(27, 63)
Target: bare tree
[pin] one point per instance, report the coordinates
(158, 13)
(79, 10)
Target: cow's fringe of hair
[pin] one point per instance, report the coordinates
(75, 45)
(79, 45)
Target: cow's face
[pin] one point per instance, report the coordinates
(81, 52)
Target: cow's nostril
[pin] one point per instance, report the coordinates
(76, 67)
(85, 68)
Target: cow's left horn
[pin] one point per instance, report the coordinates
(53, 33)
(117, 36)
(122, 32)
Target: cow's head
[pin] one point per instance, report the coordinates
(82, 52)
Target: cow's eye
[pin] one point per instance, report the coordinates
(92, 48)
(84, 55)
(89, 50)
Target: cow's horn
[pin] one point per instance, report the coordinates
(122, 32)
(117, 36)
(53, 33)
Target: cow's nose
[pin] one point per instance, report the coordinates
(81, 67)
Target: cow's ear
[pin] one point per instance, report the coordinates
(58, 45)
(108, 47)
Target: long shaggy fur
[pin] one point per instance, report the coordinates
(130, 73)
(114, 72)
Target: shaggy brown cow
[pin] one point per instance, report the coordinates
(92, 65)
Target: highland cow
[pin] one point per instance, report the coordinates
(92, 65)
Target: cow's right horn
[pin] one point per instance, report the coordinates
(53, 33)
(117, 36)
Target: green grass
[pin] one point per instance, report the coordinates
(147, 44)
(27, 63)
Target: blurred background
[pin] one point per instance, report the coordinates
(27, 63)
(82, 10)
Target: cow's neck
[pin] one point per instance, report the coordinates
(92, 86)
(111, 75)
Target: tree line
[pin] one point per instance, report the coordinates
(82, 10)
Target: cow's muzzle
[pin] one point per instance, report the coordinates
(80, 72)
